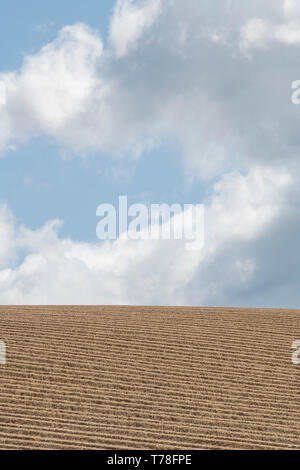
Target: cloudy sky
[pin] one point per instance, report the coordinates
(163, 101)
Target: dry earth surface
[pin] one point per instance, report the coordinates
(149, 378)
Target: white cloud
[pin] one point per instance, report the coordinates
(172, 71)
(242, 205)
(53, 86)
(130, 21)
(51, 270)
(213, 78)
(291, 9)
(254, 34)
(261, 32)
(6, 236)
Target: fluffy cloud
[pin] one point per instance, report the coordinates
(53, 87)
(205, 74)
(129, 23)
(242, 211)
(212, 77)
(257, 33)
(261, 32)
(7, 235)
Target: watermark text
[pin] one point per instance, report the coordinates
(154, 222)
(296, 354)
(2, 93)
(2, 353)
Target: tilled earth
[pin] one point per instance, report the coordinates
(149, 378)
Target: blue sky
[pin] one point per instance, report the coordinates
(37, 183)
(25, 27)
(165, 102)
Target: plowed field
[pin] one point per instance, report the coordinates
(149, 378)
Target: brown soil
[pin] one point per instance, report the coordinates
(149, 378)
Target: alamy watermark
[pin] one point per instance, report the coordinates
(296, 93)
(2, 353)
(296, 354)
(154, 222)
(2, 93)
